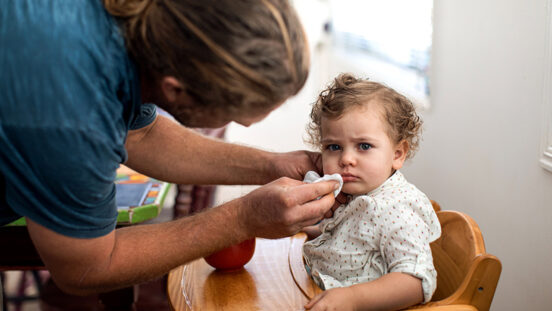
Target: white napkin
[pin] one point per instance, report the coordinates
(312, 177)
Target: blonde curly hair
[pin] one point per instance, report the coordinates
(347, 92)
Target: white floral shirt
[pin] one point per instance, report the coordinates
(386, 230)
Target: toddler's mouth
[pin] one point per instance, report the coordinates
(349, 177)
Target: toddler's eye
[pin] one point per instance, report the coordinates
(333, 147)
(364, 146)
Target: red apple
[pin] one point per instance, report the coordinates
(233, 257)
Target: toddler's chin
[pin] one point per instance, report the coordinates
(352, 190)
(355, 188)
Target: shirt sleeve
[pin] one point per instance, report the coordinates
(62, 179)
(146, 114)
(405, 242)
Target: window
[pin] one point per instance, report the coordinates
(386, 40)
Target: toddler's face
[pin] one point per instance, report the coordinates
(357, 147)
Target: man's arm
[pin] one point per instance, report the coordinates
(138, 253)
(168, 151)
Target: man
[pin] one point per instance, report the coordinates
(74, 105)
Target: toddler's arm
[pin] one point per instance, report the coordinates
(392, 291)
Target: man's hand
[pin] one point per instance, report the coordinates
(284, 206)
(296, 164)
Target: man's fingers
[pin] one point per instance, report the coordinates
(313, 211)
(287, 182)
(308, 192)
(316, 158)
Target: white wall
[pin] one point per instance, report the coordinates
(481, 143)
(482, 133)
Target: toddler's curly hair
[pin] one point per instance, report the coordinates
(347, 92)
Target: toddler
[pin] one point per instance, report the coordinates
(374, 252)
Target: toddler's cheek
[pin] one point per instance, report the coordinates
(328, 168)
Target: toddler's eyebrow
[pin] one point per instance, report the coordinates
(327, 140)
(355, 139)
(364, 139)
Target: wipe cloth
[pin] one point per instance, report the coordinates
(312, 177)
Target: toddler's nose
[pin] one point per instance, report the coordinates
(347, 158)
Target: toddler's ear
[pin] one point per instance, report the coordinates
(401, 150)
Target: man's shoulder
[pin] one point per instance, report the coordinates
(59, 36)
(59, 21)
(63, 61)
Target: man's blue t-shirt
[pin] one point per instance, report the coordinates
(68, 95)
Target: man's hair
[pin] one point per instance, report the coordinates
(229, 54)
(347, 91)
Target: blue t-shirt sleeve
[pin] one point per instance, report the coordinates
(146, 115)
(62, 179)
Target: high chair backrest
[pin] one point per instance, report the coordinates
(466, 274)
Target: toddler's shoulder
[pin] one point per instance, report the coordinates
(399, 192)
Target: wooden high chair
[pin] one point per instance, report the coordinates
(466, 275)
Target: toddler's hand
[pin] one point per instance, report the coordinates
(341, 299)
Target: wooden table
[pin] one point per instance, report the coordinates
(274, 279)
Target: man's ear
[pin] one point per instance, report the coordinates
(399, 156)
(172, 88)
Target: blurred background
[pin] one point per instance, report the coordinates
(479, 74)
